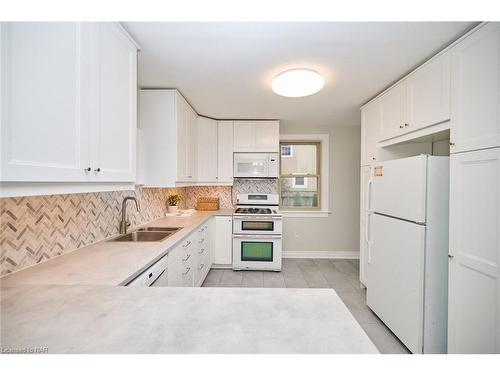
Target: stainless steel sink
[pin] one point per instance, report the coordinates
(147, 234)
(158, 229)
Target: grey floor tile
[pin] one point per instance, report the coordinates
(313, 276)
(252, 279)
(356, 304)
(213, 278)
(344, 266)
(294, 279)
(231, 279)
(384, 339)
(274, 280)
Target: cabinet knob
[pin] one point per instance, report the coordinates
(97, 170)
(407, 124)
(451, 256)
(401, 126)
(452, 143)
(87, 169)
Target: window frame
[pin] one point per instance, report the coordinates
(305, 175)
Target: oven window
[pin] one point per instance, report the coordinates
(256, 251)
(257, 225)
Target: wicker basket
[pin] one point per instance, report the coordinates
(207, 204)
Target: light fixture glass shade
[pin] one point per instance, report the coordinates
(295, 83)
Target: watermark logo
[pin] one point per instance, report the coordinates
(25, 350)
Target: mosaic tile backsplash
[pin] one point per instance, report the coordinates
(34, 229)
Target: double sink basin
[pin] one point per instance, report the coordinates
(147, 234)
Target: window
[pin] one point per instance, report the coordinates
(300, 175)
(286, 151)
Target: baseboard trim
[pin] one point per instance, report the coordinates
(322, 254)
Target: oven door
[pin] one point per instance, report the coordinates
(257, 225)
(251, 165)
(257, 252)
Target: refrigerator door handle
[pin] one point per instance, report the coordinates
(369, 194)
(367, 236)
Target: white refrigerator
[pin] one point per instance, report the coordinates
(407, 237)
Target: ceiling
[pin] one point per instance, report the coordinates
(225, 69)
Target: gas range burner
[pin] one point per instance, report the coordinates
(254, 211)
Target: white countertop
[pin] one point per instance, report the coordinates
(91, 319)
(109, 263)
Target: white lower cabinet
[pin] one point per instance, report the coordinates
(223, 243)
(474, 287)
(191, 260)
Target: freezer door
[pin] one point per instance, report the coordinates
(399, 188)
(396, 274)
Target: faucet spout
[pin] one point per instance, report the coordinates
(124, 223)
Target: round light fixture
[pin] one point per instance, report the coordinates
(295, 83)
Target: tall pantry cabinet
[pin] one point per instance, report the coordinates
(474, 254)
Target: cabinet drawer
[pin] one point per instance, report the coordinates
(187, 276)
(151, 274)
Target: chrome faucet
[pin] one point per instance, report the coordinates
(124, 224)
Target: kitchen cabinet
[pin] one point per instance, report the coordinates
(474, 287)
(256, 136)
(72, 88)
(180, 265)
(168, 126)
(207, 150)
(223, 243)
(364, 221)
(475, 90)
(203, 256)
(393, 111)
(428, 94)
(225, 151)
(370, 132)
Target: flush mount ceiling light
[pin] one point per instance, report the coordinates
(295, 83)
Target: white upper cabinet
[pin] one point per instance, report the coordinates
(370, 131)
(207, 150)
(267, 136)
(186, 122)
(45, 103)
(68, 103)
(244, 136)
(475, 90)
(428, 94)
(225, 152)
(115, 123)
(393, 111)
(256, 136)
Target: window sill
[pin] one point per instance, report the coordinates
(305, 213)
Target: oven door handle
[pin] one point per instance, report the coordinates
(255, 218)
(259, 236)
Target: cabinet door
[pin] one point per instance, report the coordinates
(115, 122)
(223, 240)
(267, 136)
(44, 101)
(244, 136)
(192, 144)
(363, 215)
(225, 151)
(175, 267)
(475, 90)
(428, 94)
(392, 107)
(370, 132)
(207, 150)
(182, 133)
(474, 289)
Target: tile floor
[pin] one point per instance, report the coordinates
(341, 275)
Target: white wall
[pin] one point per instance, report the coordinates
(339, 232)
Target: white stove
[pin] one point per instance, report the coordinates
(257, 232)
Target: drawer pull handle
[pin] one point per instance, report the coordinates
(187, 244)
(150, 275)
(187, 271)
(201, 241)
(201, 267)
(201, 251)
(188, 256)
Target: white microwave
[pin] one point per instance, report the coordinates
(256, 165)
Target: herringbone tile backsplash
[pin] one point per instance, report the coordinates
(33, 229)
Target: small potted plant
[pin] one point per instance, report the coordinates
(173, 201)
